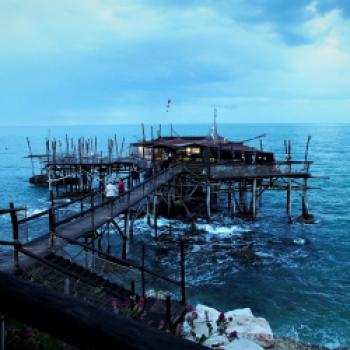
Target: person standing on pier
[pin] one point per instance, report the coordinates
(121, 186)
(111, 190)
(135, 175)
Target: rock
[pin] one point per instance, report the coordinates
(216, 341)
(240, 321)
(242, 313)
(253, 328)
(213, 314)
(242, 344)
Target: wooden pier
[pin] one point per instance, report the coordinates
(176, 172)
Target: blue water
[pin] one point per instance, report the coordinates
(302, 289)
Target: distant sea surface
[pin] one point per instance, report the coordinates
(301, 282)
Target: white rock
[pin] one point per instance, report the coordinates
(242, 344)
(253, 328)
(246, 312)
(216, 341)
(213, 314)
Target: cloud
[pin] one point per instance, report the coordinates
(119, 61)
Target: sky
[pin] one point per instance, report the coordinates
(115, 61)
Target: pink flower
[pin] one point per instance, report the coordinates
(161, 323)
(194, 315)
(126, 303)
(114, 302)
(28, 333)
(222, 316)
(141, 302)
(233, 335)
(189, 308)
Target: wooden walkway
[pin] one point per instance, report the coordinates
(76, 226)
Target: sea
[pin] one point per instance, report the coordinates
(300, 281)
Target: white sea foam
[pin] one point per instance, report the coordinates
(222, 231)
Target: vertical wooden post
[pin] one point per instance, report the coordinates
(289, 201)
(52, 228)
(155, 217)
(2, 332)
(183, 272)
(254, 199)
(208, 200)
(15, 235)
(143, 270)
(52, 199)
(127, 224)
(242, 197)
(124, 248)
(304, 202)
(233, 211)
(92, 206)
(148, 212)
(108, 238)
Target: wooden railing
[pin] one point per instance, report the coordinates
(44, 309)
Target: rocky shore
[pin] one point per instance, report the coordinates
(238, 329)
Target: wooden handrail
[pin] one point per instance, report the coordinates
(79, 323)
(123, 262)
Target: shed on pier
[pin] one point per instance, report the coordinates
(198, 149)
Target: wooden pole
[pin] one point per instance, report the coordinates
(233, 212)
(52, 228)
(155, 217)
(254, 199)
(127, 224)
(289, 201)
(148, 212)
(15, 234)
(304, 202)
(208, 200)
(67, 286)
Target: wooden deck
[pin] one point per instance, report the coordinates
(94, 217)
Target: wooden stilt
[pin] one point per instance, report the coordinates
(289, 201)
(254, 199)
(208, 200)
(304, 202)
(148, 212)
(67, 286)
(242, 197)
(15, 235)
(127, 224)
